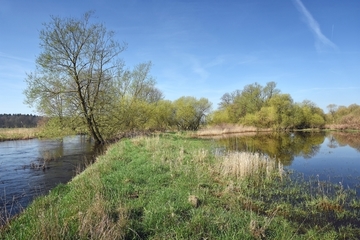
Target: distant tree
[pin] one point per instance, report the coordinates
(249, 100)
(332, 110)
(136, 99)
(19, 120)
(314, 117)
(228, 98)
(162, 115)
(269, 91)
(190, 112)
(219, 116)
(282, 109)
(348, 115)
(267, 107)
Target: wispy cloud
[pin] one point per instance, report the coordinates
(246, 60)
(8, 56)
(199, 69)
(321, 39)
(219, 60)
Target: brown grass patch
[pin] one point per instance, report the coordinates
(342, 126)
(18, 133)
(244, 164)
(228, 129)
(99, 223)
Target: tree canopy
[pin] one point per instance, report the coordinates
(79, 76)
(81, 83)
(265, 106)
(190, 112)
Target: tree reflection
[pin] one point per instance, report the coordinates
(281, 146)
(346, 138)
(332, 142)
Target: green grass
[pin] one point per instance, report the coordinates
(175, 187)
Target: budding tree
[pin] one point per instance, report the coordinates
(74, 71)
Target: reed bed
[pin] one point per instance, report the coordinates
(18, 133)
(246, 164)
(227, 129)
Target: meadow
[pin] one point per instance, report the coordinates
(171, 186)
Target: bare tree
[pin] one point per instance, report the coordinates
(332, 110)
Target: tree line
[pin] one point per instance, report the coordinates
(266, 107)
(344, 115)
(81, 83)
(18, 120)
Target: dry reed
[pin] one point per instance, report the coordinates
(227, 129)
(18, 133)
(244, 164)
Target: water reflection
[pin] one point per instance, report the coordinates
(347, 139)
(32, 167)
(330, 156)
(281, 146)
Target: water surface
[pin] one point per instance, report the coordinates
(29, 168)
(332, 156)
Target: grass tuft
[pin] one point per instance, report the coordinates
(246, 164)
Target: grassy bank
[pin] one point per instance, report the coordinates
(18, 133)
(174, 187)
(228, 129)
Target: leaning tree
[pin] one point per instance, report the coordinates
(74, 71)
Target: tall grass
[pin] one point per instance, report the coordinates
(247, 164)
(224, 129)
(175, 187)
(18, 133)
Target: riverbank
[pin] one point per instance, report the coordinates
(226, 129)
(175, 187)
(7, 134)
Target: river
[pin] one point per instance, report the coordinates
(327, 156)
(29, 168)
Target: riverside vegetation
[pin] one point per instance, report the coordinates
(18, 133)
(171, 186)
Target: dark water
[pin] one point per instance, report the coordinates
(29, 168)
(328, 156)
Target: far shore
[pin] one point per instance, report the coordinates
(8, 134)
(228, 129)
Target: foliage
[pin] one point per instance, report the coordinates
(218, 117)
(136, 98)
(266, 107)
(79, 76)
(19, 120)
(162, 116)
(343, 115)
(247, 101)
(58, 127)
(190, 112)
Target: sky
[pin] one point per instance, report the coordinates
(199, 48)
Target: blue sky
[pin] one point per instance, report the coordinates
(199, 48)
